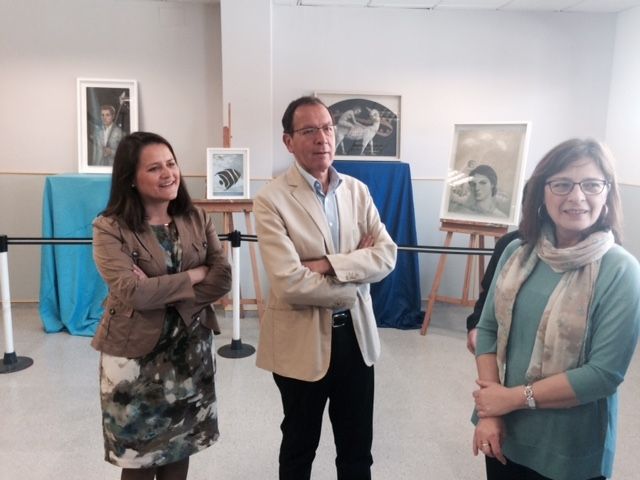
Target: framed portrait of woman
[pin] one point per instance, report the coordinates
(485, 178)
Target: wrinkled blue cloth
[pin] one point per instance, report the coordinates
(396, 299)
(71, 290)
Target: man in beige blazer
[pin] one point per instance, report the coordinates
(322, 244)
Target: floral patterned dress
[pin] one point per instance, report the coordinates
(161, 408)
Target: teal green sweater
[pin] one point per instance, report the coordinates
(573, 443)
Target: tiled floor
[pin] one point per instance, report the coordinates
(50, 416)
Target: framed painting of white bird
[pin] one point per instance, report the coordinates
(367, 126)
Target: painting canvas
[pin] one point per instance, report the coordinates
(227, 173)
(107, 111)
(367, 127)
(485, 177)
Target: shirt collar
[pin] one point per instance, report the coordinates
(335, 179)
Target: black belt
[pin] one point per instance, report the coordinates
(340, 319)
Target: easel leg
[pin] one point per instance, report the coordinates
(436, 285)
(254, 266)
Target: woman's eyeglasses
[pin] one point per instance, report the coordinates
(588, 187)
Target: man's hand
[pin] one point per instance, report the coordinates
(321, 266)
(366, 241)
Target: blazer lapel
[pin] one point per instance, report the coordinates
(306, 197)
(345, 212)
(150, 244)
(186, 238)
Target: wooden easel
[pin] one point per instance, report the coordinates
(226, 130)
(476, 231)
(227, 208)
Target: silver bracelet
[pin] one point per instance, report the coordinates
(530, 401)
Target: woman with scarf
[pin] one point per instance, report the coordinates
(559, 326)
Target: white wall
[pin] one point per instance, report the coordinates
(172, 49)
(623, 126)
(552, 69)
(452, 67)
(247, 78)
(623, 121)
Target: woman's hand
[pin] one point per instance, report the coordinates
(494, 400)
(137, 271)
(198, 274)
(487, 438)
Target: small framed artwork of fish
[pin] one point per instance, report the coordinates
(366, 126)
(227, 173)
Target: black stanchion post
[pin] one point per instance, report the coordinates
(236, 349)
(11, 362)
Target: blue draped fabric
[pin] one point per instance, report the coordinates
(396, 299)
(71, 290)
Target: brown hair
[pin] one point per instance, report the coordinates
(534, 214)
(287, 117)
(125, 203)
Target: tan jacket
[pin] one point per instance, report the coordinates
(295, 334)
(135, 309)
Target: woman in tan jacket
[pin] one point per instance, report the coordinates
(163, 263)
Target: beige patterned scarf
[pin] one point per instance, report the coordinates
(560, 339)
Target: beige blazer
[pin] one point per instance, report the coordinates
(295, 334)
(135, 309)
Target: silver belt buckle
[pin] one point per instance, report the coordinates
(340, 319)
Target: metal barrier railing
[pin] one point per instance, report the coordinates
(236, 349)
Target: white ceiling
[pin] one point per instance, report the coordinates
(593, 6)
(600, 6)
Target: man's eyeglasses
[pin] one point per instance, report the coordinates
(588, 187)
(312, 131)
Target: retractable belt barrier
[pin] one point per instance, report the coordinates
(236, 349)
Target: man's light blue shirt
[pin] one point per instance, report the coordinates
(329, 201)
